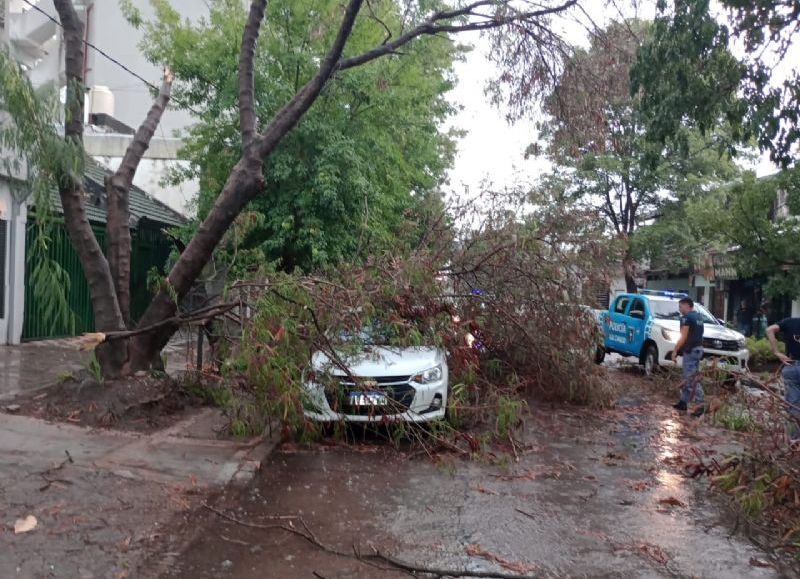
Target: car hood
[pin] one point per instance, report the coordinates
(381, 361)
(709, 331)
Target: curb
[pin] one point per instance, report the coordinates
(253, 458)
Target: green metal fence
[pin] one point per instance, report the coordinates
(149, 248)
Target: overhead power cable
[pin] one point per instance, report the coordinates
(107, 56)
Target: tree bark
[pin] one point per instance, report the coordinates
(247, 105)
(629, 270)
(118, 232)
(244, 183)
(246, 179)
(71, 190)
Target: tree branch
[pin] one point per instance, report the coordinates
(381, 22)
(293, 111)
(434, 25)
(118, 233)
(247, 108)
(200, 315)
(371, 559)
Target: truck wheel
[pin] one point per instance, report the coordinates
(650, 359)
(599, 355)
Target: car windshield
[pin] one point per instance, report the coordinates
(668, 310)
(372, 334)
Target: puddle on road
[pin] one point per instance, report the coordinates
(598, 498)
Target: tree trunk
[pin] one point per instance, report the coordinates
(247, 53)
(244, 183)
(71, 190)
(629, 270)
(118, 242)
(118, 186)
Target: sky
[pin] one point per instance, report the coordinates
(493, 149)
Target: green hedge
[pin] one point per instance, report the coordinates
(761, 351)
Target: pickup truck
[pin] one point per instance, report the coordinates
(646, 325)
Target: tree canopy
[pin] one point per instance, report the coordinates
(371, 150)
(378, 30)
(688, 76)
(597, 136)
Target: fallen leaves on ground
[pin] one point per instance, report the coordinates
(613, 458)
(648, 550)
(671, 501)
(540, 471)
(759, 563)
(25, 525)
(474, 550)
(639, 485)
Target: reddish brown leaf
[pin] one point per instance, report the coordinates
(639, 485)
(474, 550)
(672, 501)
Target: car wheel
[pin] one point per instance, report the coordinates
(599, 355)
(650, 359)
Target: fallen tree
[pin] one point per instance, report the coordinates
(525, 25)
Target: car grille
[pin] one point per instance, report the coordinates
(396, 388)
(725, 345)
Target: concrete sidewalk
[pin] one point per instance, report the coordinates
(99, 514)
(169, 456)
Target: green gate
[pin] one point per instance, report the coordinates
(149, 248)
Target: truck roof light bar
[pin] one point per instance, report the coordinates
(663, 293)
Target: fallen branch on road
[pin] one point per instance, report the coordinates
(373, 559)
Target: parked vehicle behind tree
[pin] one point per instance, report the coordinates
(646, 325)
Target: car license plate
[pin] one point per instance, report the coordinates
(368, 399)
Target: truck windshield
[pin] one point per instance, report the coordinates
(668, 310)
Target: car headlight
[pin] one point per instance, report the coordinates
(741, 342)
(428, 376)
(670, 335)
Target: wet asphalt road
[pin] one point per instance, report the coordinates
(591, 496)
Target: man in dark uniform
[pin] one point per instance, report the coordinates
(790, 332)
(690, 346)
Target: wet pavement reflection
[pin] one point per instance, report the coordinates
(591, 496)
(30, 367)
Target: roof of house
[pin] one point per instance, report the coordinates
(142, 205)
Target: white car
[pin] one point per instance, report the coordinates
(382, 384)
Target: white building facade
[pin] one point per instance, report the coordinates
(35, 40)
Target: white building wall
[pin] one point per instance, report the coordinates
(14, 282)
(796, 309)
(36, 41)
(109, 31)
(17, 274)
(617, 286)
